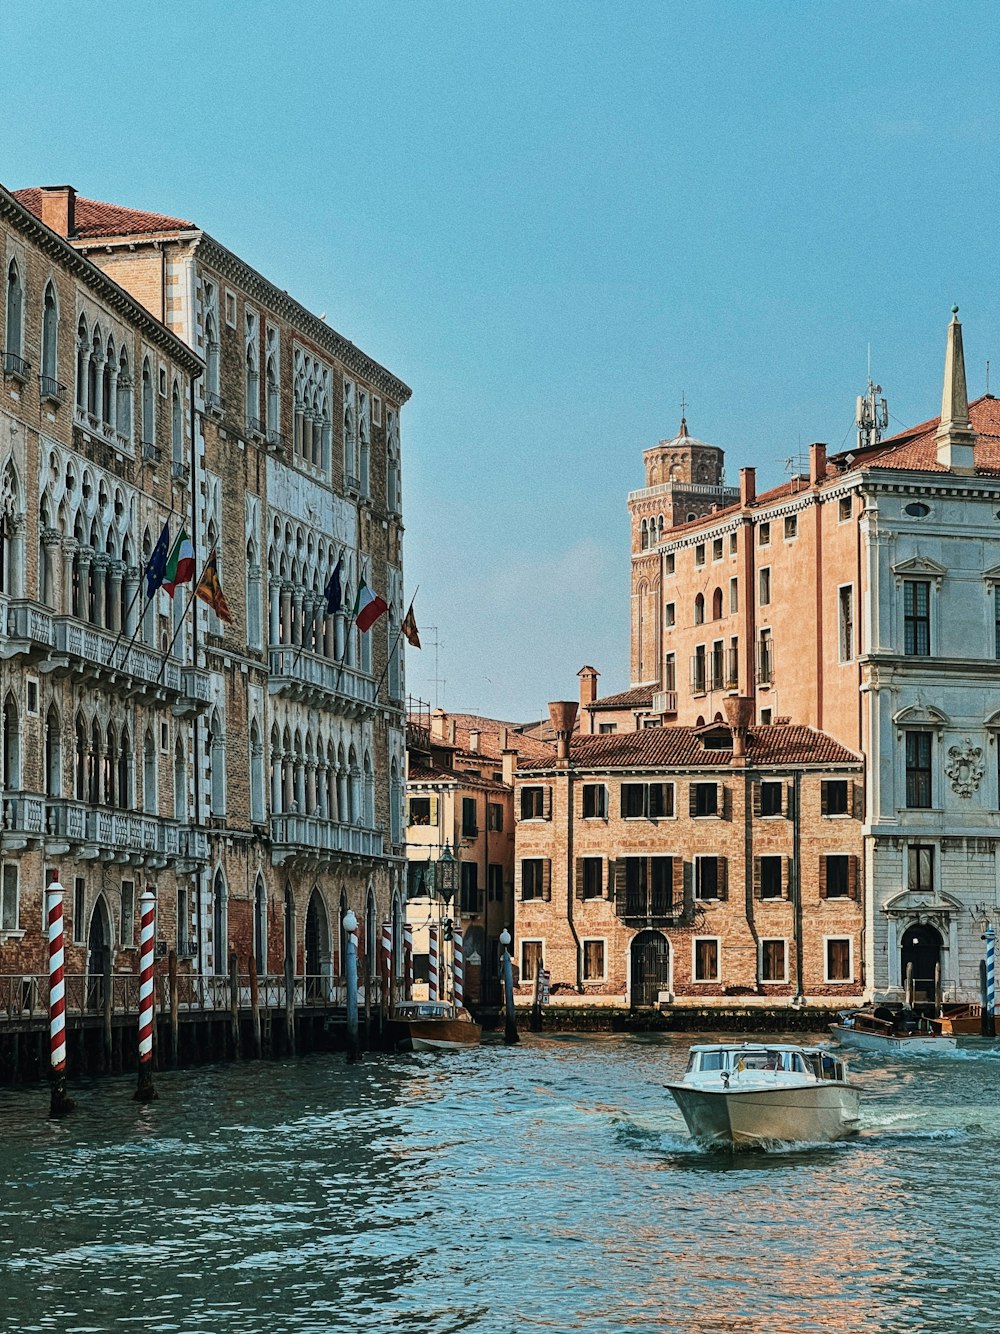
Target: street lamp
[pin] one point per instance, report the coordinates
(510, 1025)
(350, 924)
(447, 883)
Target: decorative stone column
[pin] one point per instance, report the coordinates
(298, 626)
(98, 570)
(286, 614)
(274, 610)
(83, 560)
(134, 605)
(310, 805)
(70, 547)
(114, 610)
(52, 596)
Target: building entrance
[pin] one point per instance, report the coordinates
(921, 947)
(649, 967)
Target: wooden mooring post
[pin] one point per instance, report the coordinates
(255, 1007)
(234, 1003)
(175, 1034)
(289, 1005)
(107, 1008)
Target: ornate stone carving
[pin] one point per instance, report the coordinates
(965, 768)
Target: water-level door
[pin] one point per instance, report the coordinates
(649, 968)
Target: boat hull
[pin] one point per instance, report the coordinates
(815, 1113)
(436, 1034)
(917, 1044)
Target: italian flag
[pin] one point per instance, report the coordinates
(180, 563)
(368, 607)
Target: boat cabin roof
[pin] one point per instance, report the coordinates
(423, 1010)
(755, 1046)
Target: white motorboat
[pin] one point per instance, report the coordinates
(755, 1093)
(898, 1029)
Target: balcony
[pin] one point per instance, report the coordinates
(276, 443)
(15, 367)
(22, 817)
(255, 428)
(100, 833)
(665, 701)
(306, 840)
(642, 910)
(29, 629)
(150, 452)
(320, 682)
(179, 472)
(214, 404)
(51, 391)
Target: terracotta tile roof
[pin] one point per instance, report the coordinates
(640, 697)
(682, 748)
(94, 218)
(419, 773)
(489, 730)
(915, 449)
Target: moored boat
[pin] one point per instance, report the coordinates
(432, 1026)
(893, 1027)
(753, 1094)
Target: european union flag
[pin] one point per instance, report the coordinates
(333, 593)
(157, 567)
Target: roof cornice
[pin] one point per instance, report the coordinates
(80, 266)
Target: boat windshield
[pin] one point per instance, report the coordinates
(423, 1010)
(760, 1058)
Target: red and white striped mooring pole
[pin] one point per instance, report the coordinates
(433, 964)
(408, 953)
(60, 1103)
(386, 952)
(147, 941)
(458, 969)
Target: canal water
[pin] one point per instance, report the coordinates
(548, 1187)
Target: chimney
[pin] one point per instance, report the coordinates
(817, 463)
(504, 735)
(563, 716)
(450, 730)
(588, 693)
(509, 761)
(474, 740)
(739, 715)
(438, 725)
(955, 437)
(59, 208)
(748, 486)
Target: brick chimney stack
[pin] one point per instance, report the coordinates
(59, 209)
(748, 486)
(588, 693)
(474, 740)
(817, 463)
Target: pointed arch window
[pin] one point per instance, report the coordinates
(217, 767)
(50, 336)
(107, 383)
(176, 426)
(148, 418)
(149, 775)
(123, 407)
(125, 770)
(53, 753)
(11, 763)
(94, 364)
(256, 774)
(699, 609)
(260, 926)
(212, 358)
(82, 357)
(94, 765)
(14, 330)
(180, 781)
(80, 759)
(220, 924)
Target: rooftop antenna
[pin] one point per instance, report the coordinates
(871, 415)
(987, 377)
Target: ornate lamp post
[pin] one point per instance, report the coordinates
(446, 885)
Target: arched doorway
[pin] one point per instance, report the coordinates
(260, 926)
(649, 967)
(319, 964)
(98, 953)
(921, 947)
(220, 925)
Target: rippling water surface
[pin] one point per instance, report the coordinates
(548, 1187)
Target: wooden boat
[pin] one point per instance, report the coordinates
(893, 1027)
(752, 1094)
(432, 1026)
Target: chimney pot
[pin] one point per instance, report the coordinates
(562, 714)
(817, 463)
(59, 209)
(748, 486)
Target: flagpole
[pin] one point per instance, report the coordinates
(138, 589)
(326, 612)
(180, 624)
(399, 635)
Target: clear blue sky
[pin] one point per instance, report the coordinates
(551, 219)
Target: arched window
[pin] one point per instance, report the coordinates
(149, 797)
(10, 504)
(354, 787)
(256, 774)
(180, 781)
(10, 777)
(125, 770)
(94, 764)
(252, 386)
(109, 768)
(80, 759)
(15, 315)
(394, 481)
(50, 336)
(260, 926)
(53, 754)
(644, 536)
(369, 794)
(364, 442)
(212, 355)
(220, 924)
(123, 408)
(107, 391)
(176, 426)
(717, 605)
(94, 373)
(254, 587)
(699, 609)
(273, 401)
(82, 357)
(395, 805)
(350, 476)
(148, 419)
(217, 766)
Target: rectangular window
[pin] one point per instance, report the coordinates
(920, 867)
(834, 797)
(704, 799)
(917, 618)
(844, 508)
(837, 876)
(770, 877)
(734, 596)
(765, 658)
(535, 803)
(470, 823)
(791, 526)
(845, 634)
(764, 535)
(733, 664)
(699, 554)
(732, 544)
(605, 729)
(494, 817)
(706, 959)
(184, 928)
(535, 881)
(31, 697)
(230, 308)
(376, 410)
(918, 770)
(419, 880)
(839, 965)
(670, 672)
(772, 961)
(771, 798)
(593, 877)
(531, 959)
(669, 615)
(718, 664)
(593, 961)
(669, 563)
(717, 549)
(647, 801)
(420, 810)
(698, 672)
(421, 967)
(79, 910)
(595, 801)
(470, 888)
(764, 586)
(9, 914)
(709, 877)
(648, 886)
(128, 914)
(494, 880)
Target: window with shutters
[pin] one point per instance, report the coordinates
(595, 801)
(647, 801)
(773, 961)
(704, 800)
(494, 817)
(718, 662)
(532, 959)
(705, 958)
(535, 879)
(764, 584)
(646, 887)
(590, 878)
(764, 535)
(470, 821)
(918, 770)
(770, 875)
(699, 675)
(839, 959)
(771, 795)
(9, 906)
(593, 961)
(710, 877)
(845, 635)
(835, 797)
(920, 867)
(734, 596)
(470, 889)
(838, 876)
(423, 810)
(536, 803)
(917, 617)
(494, 882)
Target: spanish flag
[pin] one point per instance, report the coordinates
(210, 590)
